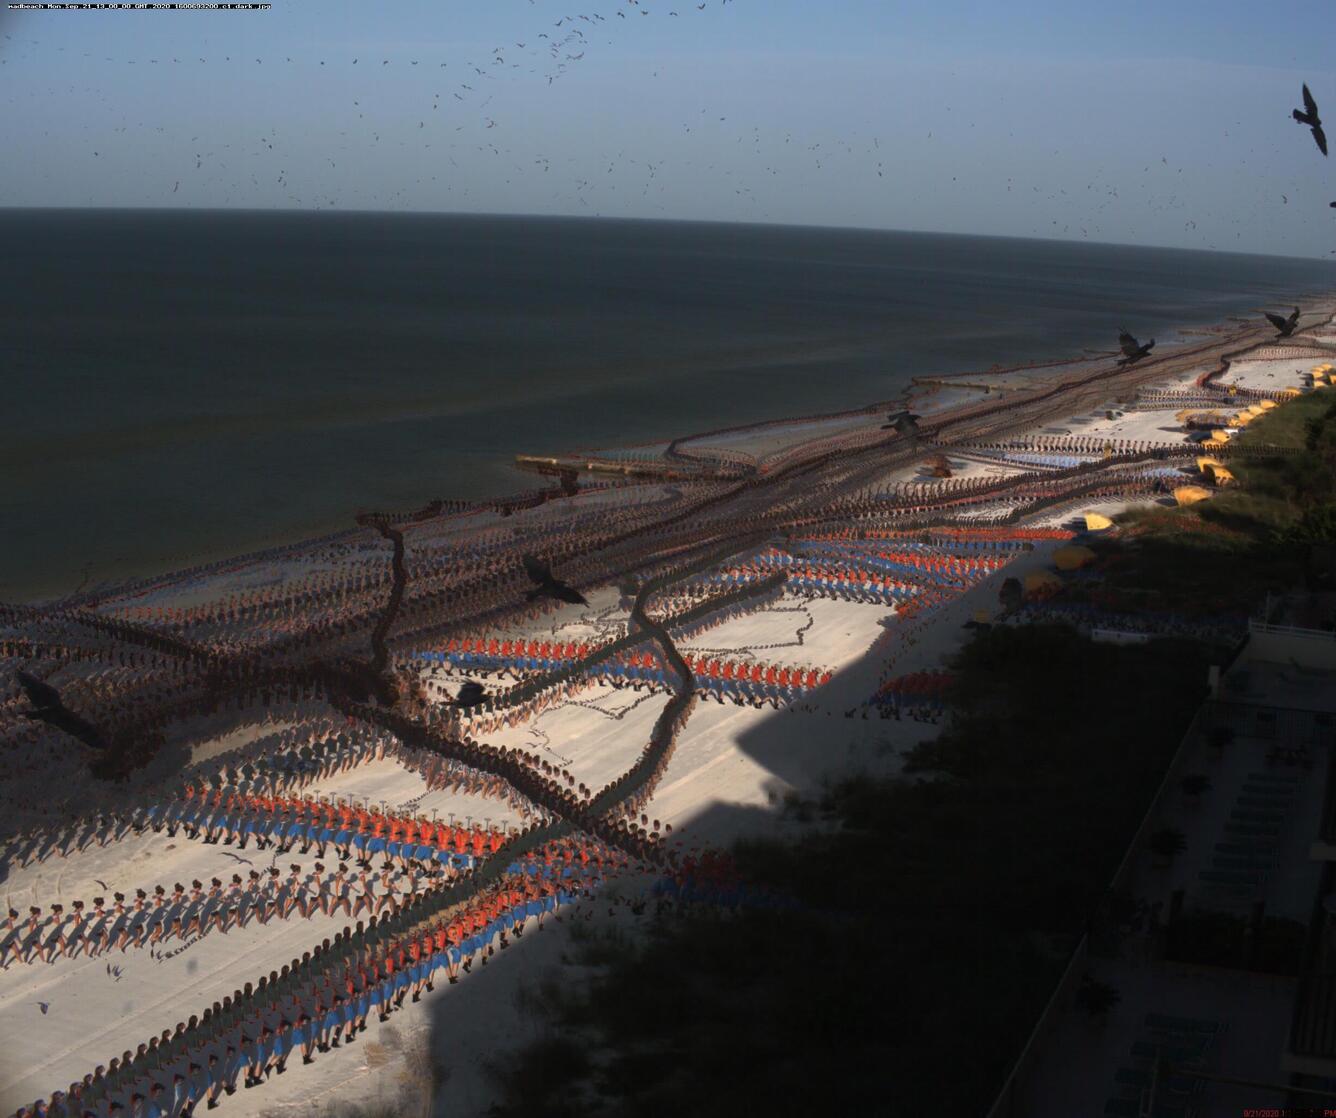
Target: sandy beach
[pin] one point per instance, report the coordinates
(878, 568)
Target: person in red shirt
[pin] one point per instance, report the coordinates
(414, 952)
(454, 933)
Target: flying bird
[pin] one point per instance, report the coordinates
(902, 421)
(540, 573)
(471, 694)
(43, 1006)
(48, 708)
(1309, 117)
(1132, 350)
(1284, 325)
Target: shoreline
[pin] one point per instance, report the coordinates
(756, 573)
(925, 393)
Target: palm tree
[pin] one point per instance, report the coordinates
(1097, 998)
(1167, 843)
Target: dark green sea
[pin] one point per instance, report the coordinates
(178, 386)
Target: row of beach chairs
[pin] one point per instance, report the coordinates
(1243, 861)
(1179, 1045)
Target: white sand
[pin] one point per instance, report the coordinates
(729, 774)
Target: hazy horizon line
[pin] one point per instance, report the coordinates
(611, 219)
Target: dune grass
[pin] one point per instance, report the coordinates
(922, 948)
(1264, 534)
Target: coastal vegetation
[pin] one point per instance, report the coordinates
(1271, 532)
(933, 913)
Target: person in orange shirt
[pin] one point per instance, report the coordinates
(440, 942)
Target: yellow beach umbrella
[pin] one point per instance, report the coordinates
(1257, 409)
(1073, 557)
(1219, 475)
(1190, 494)
(1204, 462)
(1096, 523)
(1267, 405)
(1219, 436)
(1290, 393)
(1038, 582)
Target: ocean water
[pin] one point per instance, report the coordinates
(182, 385)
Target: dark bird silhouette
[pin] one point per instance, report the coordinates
(43, 1006)
(470, 695)
(48, 708)
(1284, 325)
(548, 586)
(902, 421)
(1309, 117)
(1132, 350)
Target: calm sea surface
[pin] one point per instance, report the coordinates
(182, 385)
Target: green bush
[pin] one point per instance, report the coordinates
(911, 971)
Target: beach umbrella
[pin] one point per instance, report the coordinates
(1073, 557)
(1041, 582)
(1256, 409)
(1218, 475)
(1204, 463)
(1290, 393)
(1266, 405)
(1094, 522)
(1219, 436)
(1199, 417)
(1190, 494)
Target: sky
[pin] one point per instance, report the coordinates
(1138, 123)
